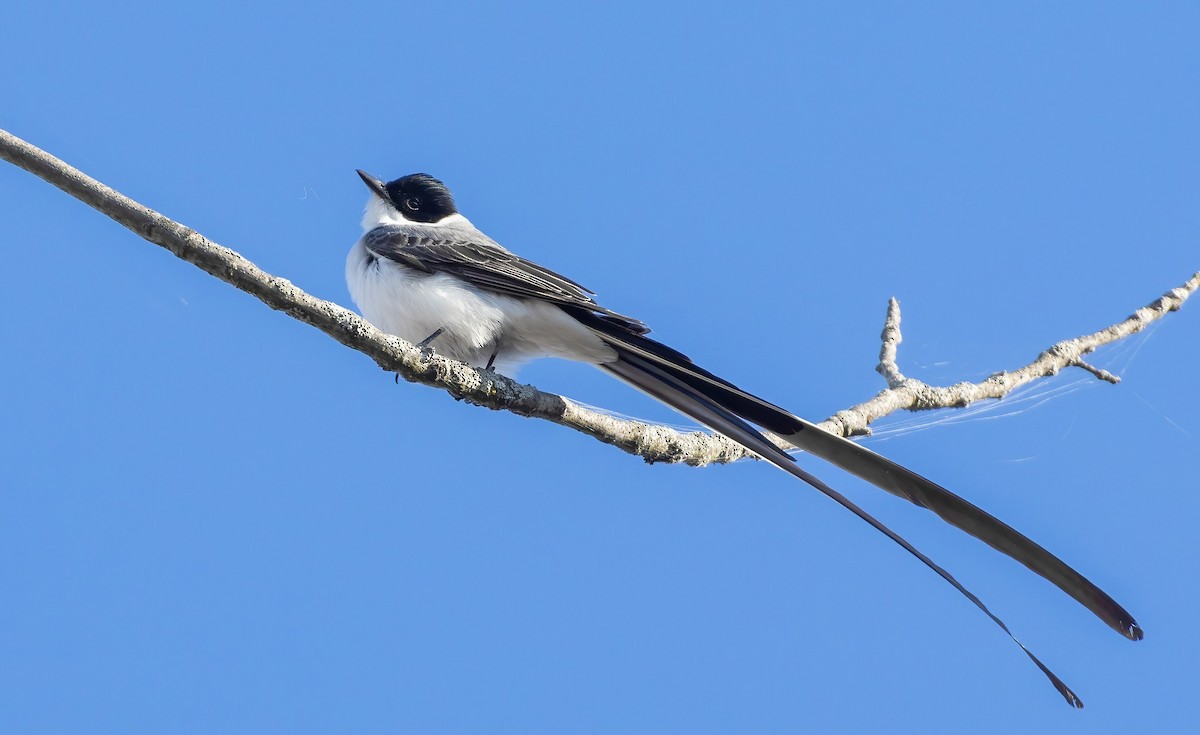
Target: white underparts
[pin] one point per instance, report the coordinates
(411, 304)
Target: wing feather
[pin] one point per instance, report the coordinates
(478, 260)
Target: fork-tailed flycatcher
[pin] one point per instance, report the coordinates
(423, 272)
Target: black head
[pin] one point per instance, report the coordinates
(419, 197)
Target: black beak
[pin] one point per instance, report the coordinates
(374, 185)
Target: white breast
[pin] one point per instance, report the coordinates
(413, 305)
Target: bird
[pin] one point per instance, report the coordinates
(423, 272)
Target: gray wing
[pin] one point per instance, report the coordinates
(480, 261)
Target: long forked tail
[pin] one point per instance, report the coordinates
(862, 462)
(669, 389)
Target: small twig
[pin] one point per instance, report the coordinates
(653, 443)
(891, 338)
(1100, 373)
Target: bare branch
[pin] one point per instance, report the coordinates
(905, 393)
(652, 442)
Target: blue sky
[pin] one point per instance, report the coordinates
(216, 519)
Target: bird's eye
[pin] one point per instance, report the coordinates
(412, 203)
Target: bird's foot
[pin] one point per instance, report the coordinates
(424, 345)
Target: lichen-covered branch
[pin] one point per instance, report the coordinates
(652, 442)
(904, 393)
